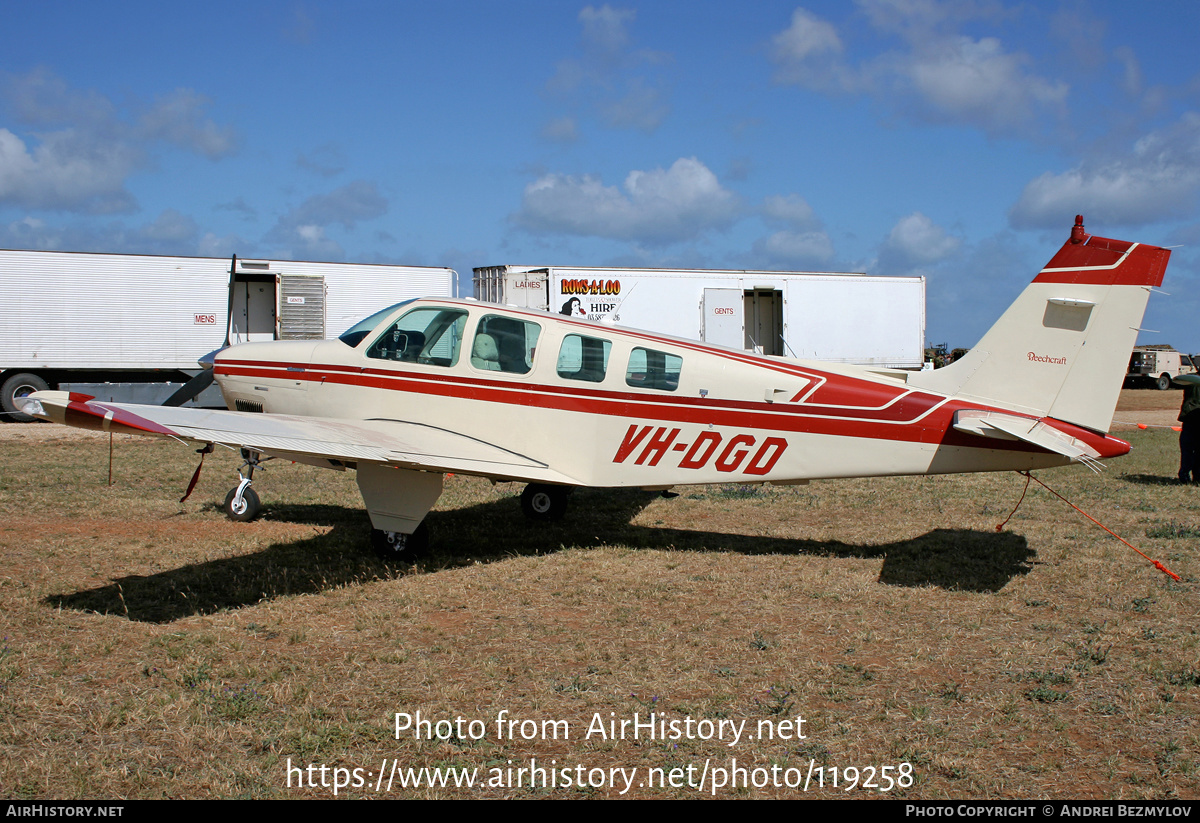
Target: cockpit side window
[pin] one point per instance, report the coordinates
(431, 336)
(583, 358)
(650, 369)
(505, 344)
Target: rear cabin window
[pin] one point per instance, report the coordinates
(583, 358)
(650, 369)
(431, 336)
(505, 344)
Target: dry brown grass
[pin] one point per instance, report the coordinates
(154, 649)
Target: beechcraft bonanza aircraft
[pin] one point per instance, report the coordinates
(428, 387)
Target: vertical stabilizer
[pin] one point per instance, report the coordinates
(1062, 349)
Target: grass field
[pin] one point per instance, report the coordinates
(154, 649)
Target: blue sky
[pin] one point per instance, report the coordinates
(956, 140)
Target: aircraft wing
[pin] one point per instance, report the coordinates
(1012, 427)
(317, 440)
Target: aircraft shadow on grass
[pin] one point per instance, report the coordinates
(958, 559)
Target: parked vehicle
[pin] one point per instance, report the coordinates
(830, 316)
(1156, 366)
(130, 327)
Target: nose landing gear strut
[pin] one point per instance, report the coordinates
(242, 503)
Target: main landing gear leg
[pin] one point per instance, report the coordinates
(242, 503)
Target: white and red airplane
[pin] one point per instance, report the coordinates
(428, 387)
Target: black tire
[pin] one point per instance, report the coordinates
(406, 548)
(543, 503)
(1163, 382)
(17, 386)
(249, 509)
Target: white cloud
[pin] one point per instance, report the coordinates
(916, 241)
(171, 227)
(609, 78)
(936, 75)
(178, 117)
(807, 51)
(561, 129)
(801, 242)
(347, 205)
(1132, 70)
(1157, 180)
(604, 28)
(978, 82)
(792, 210)
(795, 248)
(42, 99)
(302, 231)
(640, 108)
(658, 206)
(171, 232)
(326, 160)
(67, 171)
(86, 149)
(239, 205)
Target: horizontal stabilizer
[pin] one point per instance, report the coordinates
(1036, 432)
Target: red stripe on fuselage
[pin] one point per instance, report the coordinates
(902, 406)
(916, 417)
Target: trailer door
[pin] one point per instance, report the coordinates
(301, 307)
(528, 289)
(764, 320)
(252, 315)
(722, 318)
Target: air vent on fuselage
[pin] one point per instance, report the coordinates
(248, 406)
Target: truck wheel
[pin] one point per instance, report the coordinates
(16, 387)
(1163, 382)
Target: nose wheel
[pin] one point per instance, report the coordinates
(242, 504)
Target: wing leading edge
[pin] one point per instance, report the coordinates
(318, 440)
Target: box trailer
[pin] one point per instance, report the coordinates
(131, 327)
(833, 316)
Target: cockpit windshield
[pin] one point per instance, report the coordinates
(355, 334)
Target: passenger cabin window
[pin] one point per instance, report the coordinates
(650, 369)
(505, 344)
(583, 358)
(432, 336)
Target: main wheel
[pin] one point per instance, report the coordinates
(16, 387)
(400, 546)
(543, 502)
(246, 509)
(1163, 382)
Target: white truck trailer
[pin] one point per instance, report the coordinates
(831, 316)
(131, 327)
